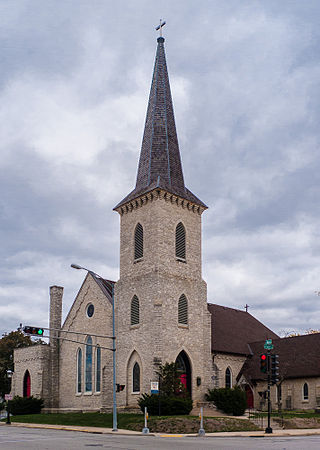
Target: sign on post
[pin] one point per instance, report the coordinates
(7, 397)
(154, 387)
(268, 344)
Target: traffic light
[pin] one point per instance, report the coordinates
(120, 387)
(263, 363)
(35, 331)
(274, 369)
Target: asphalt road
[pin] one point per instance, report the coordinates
(12, 438)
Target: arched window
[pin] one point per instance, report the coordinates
(98, 369)
(305, 391)
(27, 384)
(180, 241)
(183, 310)
(135, 311)
(228, 383)
(136, 378)
(79, 370)
(138, 242)
(88, 369)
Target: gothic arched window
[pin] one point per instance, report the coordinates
(136, 378)
(180, 241)
(228, 383)
(79, 370)
(138, 242)
(98, 369)
(88, 369)
(305, 391)
(135, 311)
(183, 310)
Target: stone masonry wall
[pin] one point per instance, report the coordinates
(100, 323)
(35, 359)
(158, 280)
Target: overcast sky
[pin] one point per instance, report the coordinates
(74, 84)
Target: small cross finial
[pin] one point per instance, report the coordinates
(159, 27)
(246, 306)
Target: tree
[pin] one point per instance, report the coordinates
(15, 339)
(170, 383)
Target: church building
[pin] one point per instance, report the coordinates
(160, 300)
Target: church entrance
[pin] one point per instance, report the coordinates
(27, 384)
(249, 395)
(184, 370)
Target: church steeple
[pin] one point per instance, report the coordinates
(160, 164)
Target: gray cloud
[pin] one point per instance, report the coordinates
(73, 94)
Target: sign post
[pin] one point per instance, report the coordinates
(269, 346)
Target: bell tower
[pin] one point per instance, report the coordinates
(160, 298)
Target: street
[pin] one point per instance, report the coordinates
(13, 438)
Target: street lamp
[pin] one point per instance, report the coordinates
(9, 376)
(111, 287)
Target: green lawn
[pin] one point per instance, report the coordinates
(307, 414)
(167, 424)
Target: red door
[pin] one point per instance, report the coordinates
(249, 395)
(27, 384)
(183, 379)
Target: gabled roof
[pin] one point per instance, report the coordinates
(160, 163)
(232, 330)
(298, 357)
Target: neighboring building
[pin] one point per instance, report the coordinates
(161, 308)
(299, 367)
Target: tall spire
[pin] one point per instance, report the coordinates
(160, 163)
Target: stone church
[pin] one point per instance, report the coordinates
(160, 300)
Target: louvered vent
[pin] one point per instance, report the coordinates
(183, 310)
(180, 241)
(138, 242)
(135, 314)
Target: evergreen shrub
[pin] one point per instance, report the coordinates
(230, 401)
(25, 405)
(169, 405)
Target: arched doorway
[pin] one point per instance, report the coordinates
(27, 384)
(249, 395)
(184, 370)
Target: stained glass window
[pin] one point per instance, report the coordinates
(89, 364)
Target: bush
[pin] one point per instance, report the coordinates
(230, 401)
(25, 405)
(169, 406)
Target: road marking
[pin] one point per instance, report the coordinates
(171, 435)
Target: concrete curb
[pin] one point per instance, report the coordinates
(98, 430)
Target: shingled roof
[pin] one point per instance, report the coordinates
(232, 330)
(160, 164)
(298, 357)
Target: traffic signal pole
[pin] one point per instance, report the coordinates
(269, 429)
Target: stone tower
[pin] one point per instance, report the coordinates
(160, 298)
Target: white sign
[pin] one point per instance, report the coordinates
(154, 387)
(7, 397)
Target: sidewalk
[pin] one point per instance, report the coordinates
(98, 430)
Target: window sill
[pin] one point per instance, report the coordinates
(135, 393)
(305, 401)
(184, 326)
(183, 260)
(134, 327)
(78, 394)
(87, 393)
(97, 393)
(137, 260)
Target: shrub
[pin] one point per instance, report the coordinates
(230, 401)
(169, 406)
(25, 405)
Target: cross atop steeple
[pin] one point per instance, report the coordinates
(160, 164)
(159, 27)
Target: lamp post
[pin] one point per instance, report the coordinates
(111, 287)
(9, 376)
